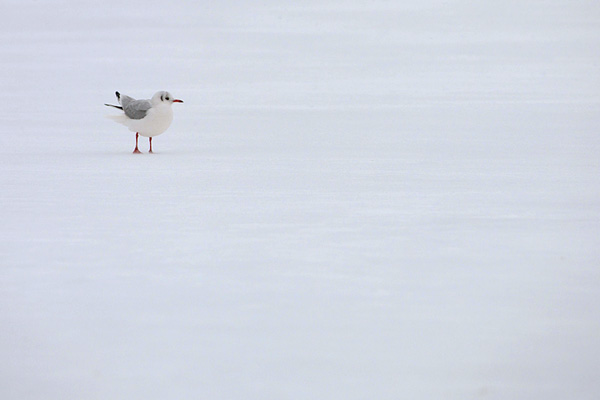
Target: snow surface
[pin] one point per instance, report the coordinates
(357, 200)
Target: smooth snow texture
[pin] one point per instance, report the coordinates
(357, 200)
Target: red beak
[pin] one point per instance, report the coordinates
(177, 101)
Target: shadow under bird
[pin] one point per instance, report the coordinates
(148, 117)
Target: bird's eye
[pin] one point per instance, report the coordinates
(168, 98)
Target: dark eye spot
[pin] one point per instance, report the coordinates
(167, 98)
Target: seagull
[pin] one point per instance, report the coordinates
(148, 118)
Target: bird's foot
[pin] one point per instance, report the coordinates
(137, 151)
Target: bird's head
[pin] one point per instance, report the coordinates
(164, 97)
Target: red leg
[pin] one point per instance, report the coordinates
(137, 135)
(150, 138)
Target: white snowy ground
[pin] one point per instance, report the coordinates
(357, 200)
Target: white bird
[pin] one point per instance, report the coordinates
(148, 118)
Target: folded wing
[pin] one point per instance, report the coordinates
(134, 109)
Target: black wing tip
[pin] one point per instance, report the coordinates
(118, 95)
(111, 105)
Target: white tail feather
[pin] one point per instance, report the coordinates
(122, 119)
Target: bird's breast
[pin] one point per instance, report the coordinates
(157, 120)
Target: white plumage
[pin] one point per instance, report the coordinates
(147, 118)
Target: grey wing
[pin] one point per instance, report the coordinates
(135, 109)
